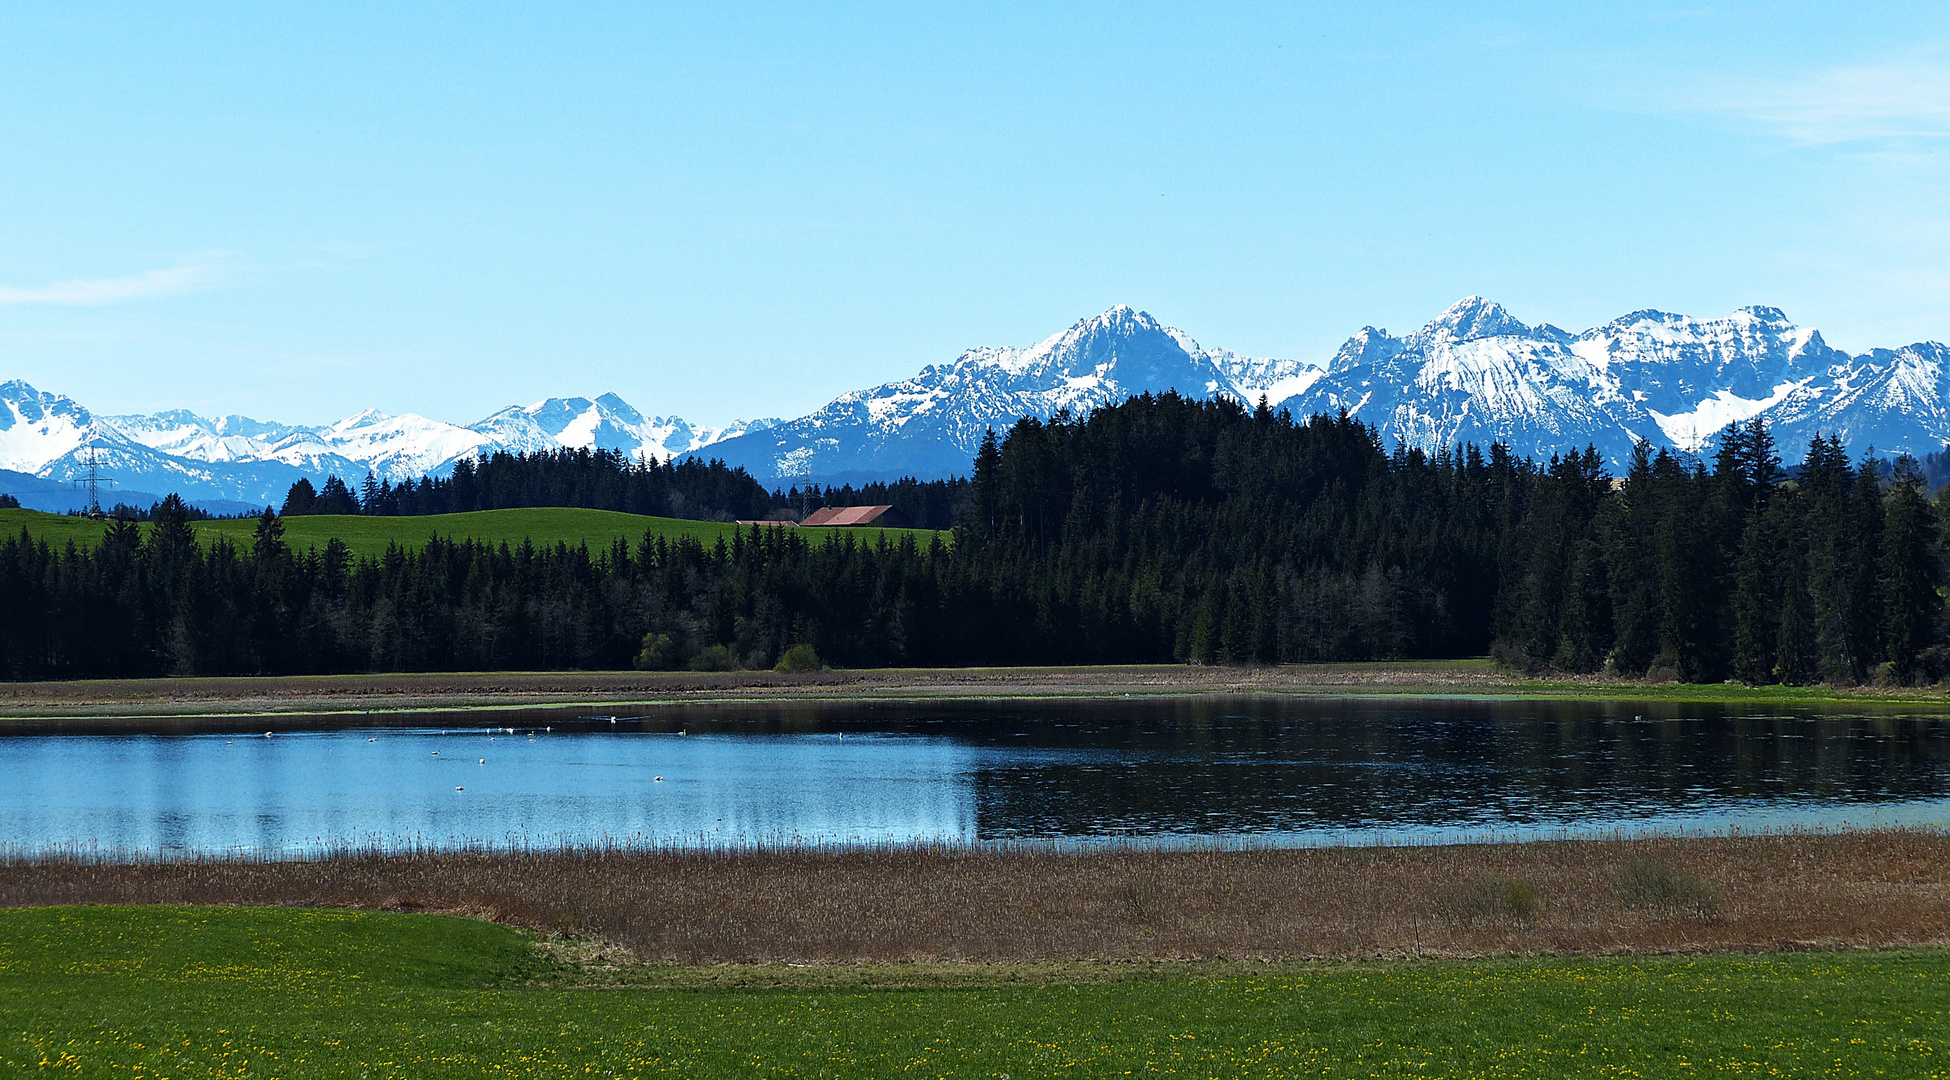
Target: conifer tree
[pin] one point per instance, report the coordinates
(1823, 505)
(299, 499)
(1627, 528)
(1864, 539)
(267, 541)
(1910, 573)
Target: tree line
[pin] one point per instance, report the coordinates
(610, 480)
(1159, 529)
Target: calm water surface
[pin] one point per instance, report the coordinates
(1259, 770)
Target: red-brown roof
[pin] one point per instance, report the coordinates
(846, 515)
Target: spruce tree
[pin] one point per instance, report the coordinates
(1910, 572)
(1864, 538)
(299, 499)
(267, 541)
(1823, 505)
(1626, 528)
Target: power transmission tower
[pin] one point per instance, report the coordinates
(92, 483)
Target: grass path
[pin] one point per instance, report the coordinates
(297, 993)
(371, 535)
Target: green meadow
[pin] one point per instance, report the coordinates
(371, 535)
(282, 992)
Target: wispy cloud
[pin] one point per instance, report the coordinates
(169, 281)
(1905, 99)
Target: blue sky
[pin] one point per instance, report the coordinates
(727, 211)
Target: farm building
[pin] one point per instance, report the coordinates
(851, 515)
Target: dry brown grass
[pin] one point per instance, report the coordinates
(1872, 889)
(435, 690)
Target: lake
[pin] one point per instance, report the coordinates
(1260, 770)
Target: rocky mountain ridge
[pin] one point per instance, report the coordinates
(236, 461)
(1475, 373)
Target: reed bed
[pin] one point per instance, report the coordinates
(1867, 889)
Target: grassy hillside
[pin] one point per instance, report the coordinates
(56, 529)
(370, 535)
(296, 993)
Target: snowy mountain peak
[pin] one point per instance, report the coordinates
(237, 462)
(1120, 318)
(1770, 318)
(1368, 347)
(1474, 317)
(617, 407)
(930, 424)
(38, 428)
(605, 423)
(1477, 375)
(364, 418)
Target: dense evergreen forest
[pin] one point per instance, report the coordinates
(608, 480)
(1155, 530)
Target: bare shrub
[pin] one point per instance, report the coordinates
(1654, 883)
(1490, 898)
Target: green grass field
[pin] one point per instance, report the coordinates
(370, 535)
(248, 992)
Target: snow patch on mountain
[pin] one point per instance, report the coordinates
(1690, 430)
(605, 423)
(185, 434)
(36, 428)
(1478, 374)
(1475, 373)
(930, 424)
(236, 459)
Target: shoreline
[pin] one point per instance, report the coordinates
(248, 696)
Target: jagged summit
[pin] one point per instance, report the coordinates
(606, 423)
(1477, 374)
(930, 424)
(1120, 318)
(1474, 317)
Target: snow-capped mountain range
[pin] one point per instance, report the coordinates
(1473, 374)
(929, 425)
(47, 440)
(1477, 374)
